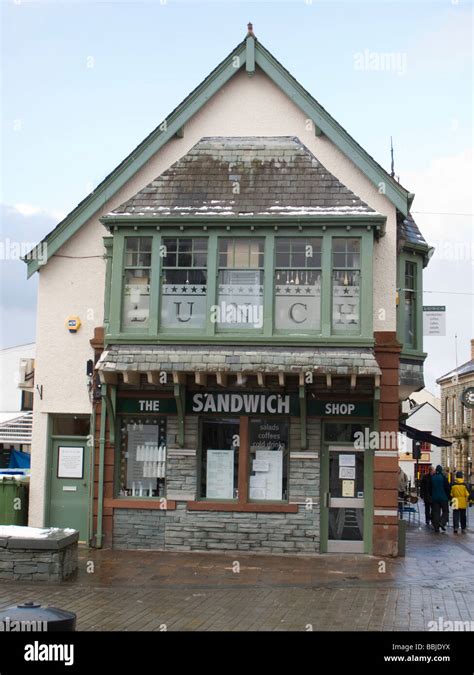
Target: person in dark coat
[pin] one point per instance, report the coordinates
(440, 491)
(425, 493)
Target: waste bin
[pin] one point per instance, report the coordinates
(31, 616)
(402, 537)
(14, 499)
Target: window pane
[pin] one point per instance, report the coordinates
(219, 459)
(268, 464)
(183, 291)
(298, 300)
(241, 253)
(200, 259)
(138, 251)
(71, 425)
(346, 524)
(142, 467)
(183, 299)
(339, 259)
(345, 300)
(409, 318)
(136, 298)
(184, 253)
(240, 299)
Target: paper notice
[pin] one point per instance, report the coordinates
(347, 472)
(347, 460)
(348, 488)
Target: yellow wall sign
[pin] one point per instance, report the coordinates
(73, 324)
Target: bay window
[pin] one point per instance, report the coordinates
(216, 286)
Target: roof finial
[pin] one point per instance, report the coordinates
(392, 168)
(250, 30)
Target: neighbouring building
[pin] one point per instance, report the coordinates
(16, 399)
(457, 403)
(426, 418)
(218, 321)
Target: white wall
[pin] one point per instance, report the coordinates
(428, 419)
(244, 107)
(10, 394)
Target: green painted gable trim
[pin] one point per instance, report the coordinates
(137, 158)
(183, 113)
(327, 125)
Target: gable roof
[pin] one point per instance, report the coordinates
(249, 53)
(276, 176)
(418, 407)
(465, 369)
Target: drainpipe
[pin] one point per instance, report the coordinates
(91, 478)
(100, 505)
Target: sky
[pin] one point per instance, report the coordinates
(83, 82)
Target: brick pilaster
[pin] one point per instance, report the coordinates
(385, 533)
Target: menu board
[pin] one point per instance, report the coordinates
(267, 484)
(139, 435)
(220, 474)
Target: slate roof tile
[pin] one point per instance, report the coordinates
(275, 174)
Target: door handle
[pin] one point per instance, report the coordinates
(327, 499)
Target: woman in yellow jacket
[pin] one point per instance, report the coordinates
(460, 501)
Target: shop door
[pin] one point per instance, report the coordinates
(70, 473)
(343, 503)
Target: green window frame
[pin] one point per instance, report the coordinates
(297, 285)
(240, 297)
(410, 305)
(346, 285)
(183, 285)
(136, 282)
(267, 261)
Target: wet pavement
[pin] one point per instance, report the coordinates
(143, 590)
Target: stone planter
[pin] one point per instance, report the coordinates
(47, 555)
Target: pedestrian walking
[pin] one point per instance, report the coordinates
(460, 499)
(425, 493)
(440, 491)
(402, 489)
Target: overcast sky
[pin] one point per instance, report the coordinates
(84, 82)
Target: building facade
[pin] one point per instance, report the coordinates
(457, 402)
(242, 299)
(424, 417)
(16, 400)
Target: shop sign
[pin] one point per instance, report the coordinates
(339, 408)
(242, 404)
(146, 406)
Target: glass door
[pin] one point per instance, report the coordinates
(344, 499)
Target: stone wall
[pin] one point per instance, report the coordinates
(184, 530)
(20, 562)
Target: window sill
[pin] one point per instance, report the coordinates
(248, 507)
(140, 503)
